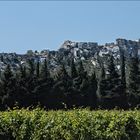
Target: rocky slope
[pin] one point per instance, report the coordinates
(90, 52)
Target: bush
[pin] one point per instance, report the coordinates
(78, 124)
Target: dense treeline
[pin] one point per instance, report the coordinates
(34, 85)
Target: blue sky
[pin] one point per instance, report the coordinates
(46, 25)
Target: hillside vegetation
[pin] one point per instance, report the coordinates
(106, 79)
(105, 88)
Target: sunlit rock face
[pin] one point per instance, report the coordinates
(129, 47)
(80, 49)
(89, 49)
(86, 51)
(97, 54)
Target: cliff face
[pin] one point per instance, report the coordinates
(129, 47)
(87, 51)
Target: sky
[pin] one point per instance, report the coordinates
(39, 25)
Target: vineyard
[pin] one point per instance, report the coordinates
(77, 124)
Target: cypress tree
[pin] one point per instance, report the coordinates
(110, 89)
(7, 73)
(73, 69)
(8, 88)
(134, 82)
(63, 75)
(60, 90)
(111, 68)
(101, 92)
(31, 67)
(92, 95)
(23, 73)
(123, 80)
(122, 63)
(38, 69)
(115, 87)
(81, 71)
(1, 58)
(22, 92)
(45, 74)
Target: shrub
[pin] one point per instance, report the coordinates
(77, 124)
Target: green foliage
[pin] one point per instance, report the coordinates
(38, 69)
(38, 82)
(122, 64)
(134, 82)
(30, 53)
(77, 124)
(110, 91)
(73, 69)
(44, 70)
(111, 68)
(31, 64)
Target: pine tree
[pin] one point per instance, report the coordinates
(92, 88)
(102, 74)
(45, 74)
(8, 88)
(110, 89)
(122, 63)
(43, 88)
(8, 73)
(111, 68)
(101, 92)
(80, 86)
(123, 80)
(22, 72)
(38, 69)
(73, 69)
(22, 92)
(115, 87)
(31, 67)
(1, 58)
(81, 71)
(134, 82)
(63, 75)
(62, 88)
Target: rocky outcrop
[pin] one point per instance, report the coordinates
(88, 51)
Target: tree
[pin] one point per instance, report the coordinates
(102, 74)
(61, 88)
(22, 72)
(80, 85)
(31, 67)
(45, 74)
(101, 92)
(7, 73)
(73, 69)
(43, 87)
(38, 69)
(30, 52)
(92, 88)
(123, 80)
(122, 63)
(21, 92)
(81, 71)
(63, 75)
(134, 82)
(111, 68)
(110, 89)
(1, 58)
(8, 88)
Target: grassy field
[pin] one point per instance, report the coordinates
(77, 124)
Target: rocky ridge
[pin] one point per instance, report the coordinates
(89, 52)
